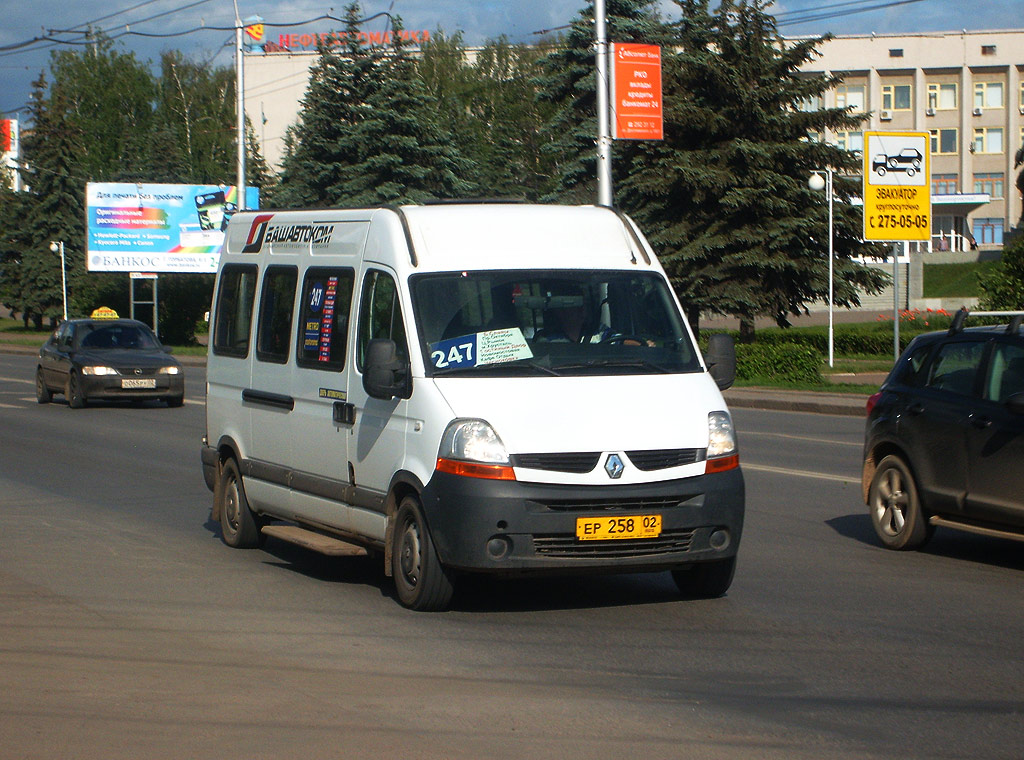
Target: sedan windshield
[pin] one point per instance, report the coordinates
(115, 335)
(566, 322)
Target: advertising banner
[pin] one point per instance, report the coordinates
(636, 92)
(897, 186)
(158, 228)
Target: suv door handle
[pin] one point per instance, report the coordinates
(980, 421)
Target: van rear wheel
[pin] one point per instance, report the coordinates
(239, 527)
(421, 581)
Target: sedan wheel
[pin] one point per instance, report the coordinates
(43, 395)
(73, 393)
(895, 506)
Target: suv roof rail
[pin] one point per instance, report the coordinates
(962, 314)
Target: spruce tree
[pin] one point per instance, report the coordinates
(724, 197)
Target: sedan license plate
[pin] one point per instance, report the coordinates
(132, 382)
(610, 528)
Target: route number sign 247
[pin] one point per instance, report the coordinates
(897, 186)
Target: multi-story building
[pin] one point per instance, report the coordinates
(967, 90)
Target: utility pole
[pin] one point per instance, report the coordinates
(604, 139)
(240, 102)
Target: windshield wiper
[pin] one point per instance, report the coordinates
(625, 363)
(500, 367)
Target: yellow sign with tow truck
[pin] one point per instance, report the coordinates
(897, 186)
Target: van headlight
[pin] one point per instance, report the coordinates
(471, 448)
(722, 454)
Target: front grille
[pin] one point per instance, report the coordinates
(660, 459)
(638, 504)
(136, 371)
(577, 462)
(567, 545)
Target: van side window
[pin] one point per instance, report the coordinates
(277, 302)
(380, 314)
(323, 320)
(234, 310)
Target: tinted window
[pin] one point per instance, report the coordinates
(323, 326)
(1006, 376)
(277, 302)
(380, 314)
(956, 365)
(913, 370)
(234, 310)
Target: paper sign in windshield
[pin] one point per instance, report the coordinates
(491, 347)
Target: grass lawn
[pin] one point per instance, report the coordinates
(955, 280)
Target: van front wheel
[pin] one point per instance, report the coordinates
(421, 581)
(238, 525)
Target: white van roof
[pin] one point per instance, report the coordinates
(448, 237)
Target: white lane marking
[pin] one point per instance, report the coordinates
(18, 380)
(745, 433)
(798, 473)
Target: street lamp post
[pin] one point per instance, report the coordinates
(55, 247)
(817, 183)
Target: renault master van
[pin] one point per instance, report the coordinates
(467, 388)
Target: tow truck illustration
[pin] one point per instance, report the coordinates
(907, 160)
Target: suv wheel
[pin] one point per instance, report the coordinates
(895, 506)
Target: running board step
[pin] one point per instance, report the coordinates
(318, 542)
(991, 532)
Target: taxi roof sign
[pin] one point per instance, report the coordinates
(104, 312)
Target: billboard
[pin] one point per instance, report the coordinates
(158, 228)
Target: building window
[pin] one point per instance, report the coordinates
(896, 97)
(988, 49)
(851, 96)
(809, 104)
(988, 140)
(944, 141)
(989, 182)
(942, 97)
(988, 94)
(852, 141)
(1020, 98)
(944, 184)
(988, 230)
(895, 52)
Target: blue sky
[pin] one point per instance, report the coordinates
(519, 20)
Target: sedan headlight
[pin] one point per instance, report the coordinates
(471, 448)
(99, 370)
(175, 370)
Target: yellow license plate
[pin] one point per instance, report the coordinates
(610, 528)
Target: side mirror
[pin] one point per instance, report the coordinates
(385, 375)
(1015, 403)
(721, 360)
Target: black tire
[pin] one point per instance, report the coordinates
(238, 525)
(175, 401)
(43, 395)
(705, 580)
(421, 581)
(73, 392)
(895, 506)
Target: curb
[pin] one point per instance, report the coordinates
(847, 405)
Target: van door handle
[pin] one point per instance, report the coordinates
(344, 413)
(980, 421)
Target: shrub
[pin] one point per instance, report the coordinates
(788, 362)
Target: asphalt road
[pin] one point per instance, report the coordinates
(127, 629)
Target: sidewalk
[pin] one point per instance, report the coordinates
(847, 404)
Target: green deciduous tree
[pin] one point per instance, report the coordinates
(1003, 286)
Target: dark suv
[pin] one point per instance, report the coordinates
(944, 443)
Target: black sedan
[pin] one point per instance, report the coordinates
(118, 359)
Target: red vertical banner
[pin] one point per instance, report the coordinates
(5, 135)
(636, 92)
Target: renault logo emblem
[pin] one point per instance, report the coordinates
(613, 466)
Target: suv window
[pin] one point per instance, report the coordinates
(1006, 376)
(955, 368)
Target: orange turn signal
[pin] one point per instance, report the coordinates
(721, 464)
(474, 470)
